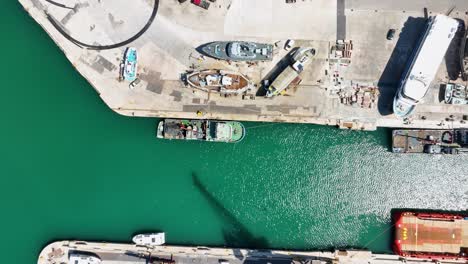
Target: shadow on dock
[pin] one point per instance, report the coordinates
(453, 56)
(235, 234)
(389, 80)
(277, 70)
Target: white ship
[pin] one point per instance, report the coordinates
(440, 31)
(151, 239)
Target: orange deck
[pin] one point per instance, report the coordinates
(429, 235)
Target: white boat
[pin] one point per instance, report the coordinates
(150, 239)
(424, 65)
(76, 258)
(130, 65)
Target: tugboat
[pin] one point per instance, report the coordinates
(239, 51)
(129, 69)
(151, 239)
(203, 130)
(219, 81)
(432, 236)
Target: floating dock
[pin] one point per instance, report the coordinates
(450, 141)
(94, 35)
(112, 253)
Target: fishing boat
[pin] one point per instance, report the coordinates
(219, 81)
(129, 71)
(239, 51)
(151, 239)
(431, 236)
(203, 130)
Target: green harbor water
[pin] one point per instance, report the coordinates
(70, 168)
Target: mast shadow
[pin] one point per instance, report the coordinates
(236, 234)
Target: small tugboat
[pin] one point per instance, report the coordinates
(239, 51)
(129, 69)
(219, 81)
(151, 239)
(204, 130)
(454, 141)
(431, 236)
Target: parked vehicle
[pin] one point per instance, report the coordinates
(391, 34)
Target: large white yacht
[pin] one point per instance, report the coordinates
(425, 62)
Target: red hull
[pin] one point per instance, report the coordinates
(400, 230)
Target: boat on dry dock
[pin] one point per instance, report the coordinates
(129, 67)
(239, 51)
(429, 235)
(451, 141)
(456, 94)
(221, 81)
(203, 130)
(440, 30)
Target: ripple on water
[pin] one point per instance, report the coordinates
(327, 187)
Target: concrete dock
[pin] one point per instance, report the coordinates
(94, 34)
(112, 253)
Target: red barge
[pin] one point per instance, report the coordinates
(431, 235)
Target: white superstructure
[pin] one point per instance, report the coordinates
(424, 64)
(151, 239)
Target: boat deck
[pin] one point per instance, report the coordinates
(417, 234)
(413, 141)
(214, 80)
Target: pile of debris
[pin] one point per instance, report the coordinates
(359, 96)
(342, 50)
(339, 60)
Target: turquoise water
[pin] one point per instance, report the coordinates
(72, 169)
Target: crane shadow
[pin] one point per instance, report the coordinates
(235, 233)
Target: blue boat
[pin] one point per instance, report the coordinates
(129, 71)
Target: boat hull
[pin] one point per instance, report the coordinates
(201, 130)
(429, 235)
(130, 65)
(219, 81)
(239, 51)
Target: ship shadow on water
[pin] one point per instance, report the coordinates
(398, 61)
(236, 234)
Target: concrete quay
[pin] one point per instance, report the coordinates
(88, 31)
(112, 253)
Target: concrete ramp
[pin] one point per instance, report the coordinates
(273, 19)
